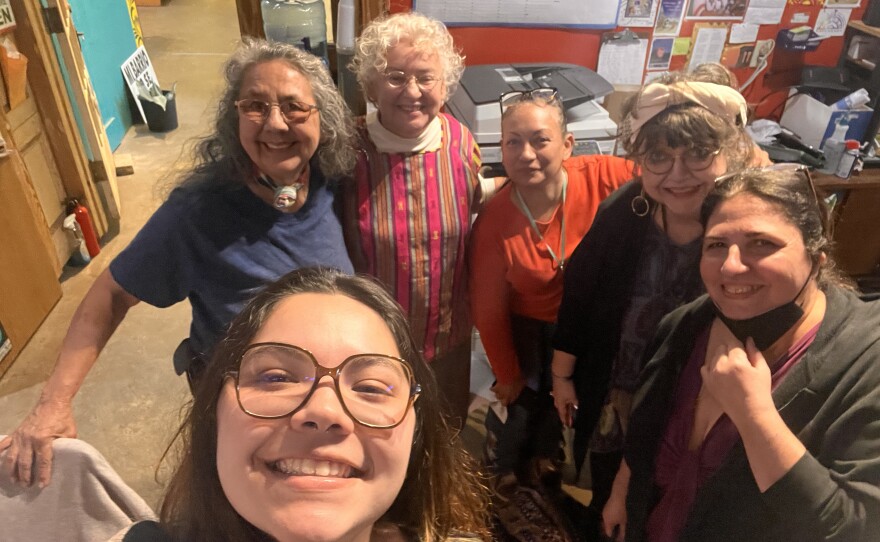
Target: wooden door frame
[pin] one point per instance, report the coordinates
(25, 306)
(47, 84)
(102, 165)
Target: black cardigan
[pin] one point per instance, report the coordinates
(596, 292)
(830, 401)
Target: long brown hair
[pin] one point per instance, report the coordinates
(442, 493)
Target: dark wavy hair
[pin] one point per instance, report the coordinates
(792, 194)
(222, 151)
(443, 491)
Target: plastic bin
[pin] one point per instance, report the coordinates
(158, 119)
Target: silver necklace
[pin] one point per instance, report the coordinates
(558, 261)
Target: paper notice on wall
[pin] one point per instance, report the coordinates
(765, 11)
(593, 14)
(708, 45)
(832, 22)
(141, 78)
(743, 33)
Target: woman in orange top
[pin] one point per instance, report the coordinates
(519, 246)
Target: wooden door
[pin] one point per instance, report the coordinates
(83, 97)
(29, 285)
(47, 84)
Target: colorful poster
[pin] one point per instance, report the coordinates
(669, 18)
(717, 9)
(637, 13)
(135, 23)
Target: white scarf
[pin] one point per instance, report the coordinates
(386, 141)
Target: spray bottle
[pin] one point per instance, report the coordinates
(835, 145)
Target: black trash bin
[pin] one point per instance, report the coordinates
(158, 119)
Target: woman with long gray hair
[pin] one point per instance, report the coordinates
(255, 206)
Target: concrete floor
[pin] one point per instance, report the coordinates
(128, 407)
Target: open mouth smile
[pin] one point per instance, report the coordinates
(312, 467)
(739, 290)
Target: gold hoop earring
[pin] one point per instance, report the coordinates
(640, 205)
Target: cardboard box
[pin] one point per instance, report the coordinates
(814, 121)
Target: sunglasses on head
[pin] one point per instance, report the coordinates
(543, 94)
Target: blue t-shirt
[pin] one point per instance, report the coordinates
(217, 244)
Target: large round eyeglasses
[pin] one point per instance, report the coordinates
(258, 111)
(695, 159)
(275, 380)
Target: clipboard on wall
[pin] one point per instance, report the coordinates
(622, 57)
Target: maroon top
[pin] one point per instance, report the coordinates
(678, 471)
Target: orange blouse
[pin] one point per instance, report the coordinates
(511, 270)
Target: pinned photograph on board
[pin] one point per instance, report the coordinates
(661, 53)
(669, 18)
(717, 9)
(637, 13)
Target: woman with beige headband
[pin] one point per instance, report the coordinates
(639, 260)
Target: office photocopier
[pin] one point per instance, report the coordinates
(475, 103)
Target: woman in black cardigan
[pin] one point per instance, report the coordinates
(638, 261)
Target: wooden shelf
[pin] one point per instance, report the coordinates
(148, 3)
(861, 27)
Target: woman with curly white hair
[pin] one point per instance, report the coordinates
(407, 212)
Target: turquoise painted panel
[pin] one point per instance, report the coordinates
(106, 40)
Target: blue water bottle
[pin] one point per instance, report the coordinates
(301, 23)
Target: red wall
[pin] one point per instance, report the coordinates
(491, 45)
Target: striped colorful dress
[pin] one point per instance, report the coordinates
(407, 220)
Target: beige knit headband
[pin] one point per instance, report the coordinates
(657, 97)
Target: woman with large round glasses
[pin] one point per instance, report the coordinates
(639, 260)
(255, 205)
(758, 412)
(319, 420)
(519, 251)
(407, 213)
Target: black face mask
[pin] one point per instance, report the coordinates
(765, 329)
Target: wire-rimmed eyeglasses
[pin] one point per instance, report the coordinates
(275, 380)
(695, 159)
(399, 79)
(545, 94)
(258, 111)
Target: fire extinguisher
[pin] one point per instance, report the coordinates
(85, 223)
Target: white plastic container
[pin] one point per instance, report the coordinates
(298, 22)
(834, 147)
(848, 160)
(345, 79)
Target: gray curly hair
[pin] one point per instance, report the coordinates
(425, 34)
(336, 154)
